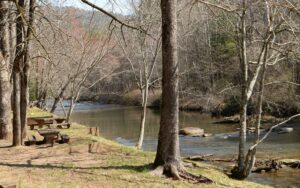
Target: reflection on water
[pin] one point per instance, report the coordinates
(122, 125)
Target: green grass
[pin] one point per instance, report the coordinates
(36, 112)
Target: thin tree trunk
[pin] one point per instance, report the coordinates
(59, 97)
(24, 100)
(37, 83)
(297, 76)
(70, 109)
(73, 102)
(251, 155)
(143, 115)
(246, 162)
(63, 108)
(168, 153)
(244, 69)
(5, 119)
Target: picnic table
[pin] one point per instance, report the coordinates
(47, 121)
(50, 135)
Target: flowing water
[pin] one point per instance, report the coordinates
(122, 125)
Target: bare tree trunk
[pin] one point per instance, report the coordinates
(244, 90)
(24, 100)
(168, 153)
(19, 58)
(16, 108)
(70, 108)
(5, 119)
(251, 155)
(73, 102)
(143, 115)
(59, 97)
(246, 162)
(297, 76)
(37, 82)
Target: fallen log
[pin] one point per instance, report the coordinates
(269, 166)
(199, 157)
(206, 158)
(293, 163)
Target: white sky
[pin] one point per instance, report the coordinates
(119, 6)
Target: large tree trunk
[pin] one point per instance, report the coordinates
(168, 153)
(24, 100)
(5, 119)
(16, 109)
(19, 58)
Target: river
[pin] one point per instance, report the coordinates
(121, 124)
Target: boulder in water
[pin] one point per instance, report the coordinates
(192, 131)
(284, 130)
(207, 135)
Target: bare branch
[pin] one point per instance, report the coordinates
(272, 128)
(114, 17)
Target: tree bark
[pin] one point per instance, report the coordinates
(244, 90)
(24, 99)
(246, 162)
(19, 58)
(5, 108)
(297, 76)
(59, 97)
(168, 153)
(143, 115)
(16, 108)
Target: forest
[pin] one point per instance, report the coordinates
(141, 93)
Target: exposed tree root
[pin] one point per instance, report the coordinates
(179, 173)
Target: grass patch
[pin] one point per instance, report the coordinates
(36, 112)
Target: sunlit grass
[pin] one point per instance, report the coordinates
(36, 112)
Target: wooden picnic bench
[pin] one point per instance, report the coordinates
(47, 121)
(50, 135)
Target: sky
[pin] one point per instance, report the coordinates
(119, 6)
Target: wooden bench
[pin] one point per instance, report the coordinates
(47, 121)
(50, 135)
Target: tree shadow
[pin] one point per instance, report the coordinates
(6, 146)
(139, 168)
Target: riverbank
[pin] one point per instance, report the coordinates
(216, 105)
(92, 161)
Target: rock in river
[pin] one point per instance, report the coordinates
(207, 135)
(192, 131)
(284, 130)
